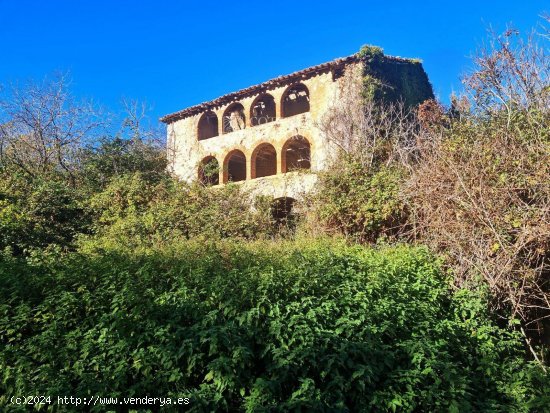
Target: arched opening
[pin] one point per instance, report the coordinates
(296, 154)
(262, 110)
(209, 171)
(295, 100)
(234, 118)
(264, 161)
(235, 167)
(208, 125)
(282, 214)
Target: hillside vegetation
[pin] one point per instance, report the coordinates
(258, 326)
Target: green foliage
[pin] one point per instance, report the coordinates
(371, 53)
(116, 156)
(360, 202)
(257, 327)
(35, 213)
(388, 79)
(133, 211)
(210, 171)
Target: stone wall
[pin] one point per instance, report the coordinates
(244, 149)
(187, 151)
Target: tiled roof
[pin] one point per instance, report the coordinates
(270, 84)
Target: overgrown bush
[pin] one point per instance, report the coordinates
(481, 191)
(37, 212)
(135, 211)
(115, 157)
(473, 180)
(258, 327)
(481, 196)
(363, 204)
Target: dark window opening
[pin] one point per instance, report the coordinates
(235, 167)
(264, 161)
(282, 214)
(208, 126)
(234, 118)
(263, 110)
(209, 171)
(295, 100)
(296, 154)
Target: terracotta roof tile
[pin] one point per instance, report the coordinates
(270, 84)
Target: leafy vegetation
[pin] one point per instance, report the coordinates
(364, 205)
(388, 79)
(233, 326)
(133, 212)
(471, 181)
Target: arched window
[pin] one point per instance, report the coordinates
(295, 100)
(281, 210)
(234, 167)
(296, 154)
(234, 118)
(264, 161)
(208, 125)
(209, 171)
(262, 110)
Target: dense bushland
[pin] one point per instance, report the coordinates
(132, 211)
(64, 179)
(258, 327)
(471, 181)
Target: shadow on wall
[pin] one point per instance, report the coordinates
(295, 100)
(296, 154)
(208, 126)
(235, 167)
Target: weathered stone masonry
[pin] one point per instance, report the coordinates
(265, 136)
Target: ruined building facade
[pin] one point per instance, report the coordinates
(268, 137)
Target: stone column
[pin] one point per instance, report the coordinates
(278, 108)
(248, 157)
(219, 114)
(280, 160)
(220, 172)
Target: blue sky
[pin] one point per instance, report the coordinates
(174, 54)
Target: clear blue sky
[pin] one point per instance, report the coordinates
(174, 54)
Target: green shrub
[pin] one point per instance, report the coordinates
(257, 327)
(113, 157)
(359, 202)
(39, 212)
(132, 211)
(389, 80)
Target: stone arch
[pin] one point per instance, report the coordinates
(234, 166)
(295, 100)
(281, 209)
(264, 161)
(296, 154)
(233, 118)
(209, 171)
(262, 110)
(208, 126)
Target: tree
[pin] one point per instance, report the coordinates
(42, 127)
(137, 147)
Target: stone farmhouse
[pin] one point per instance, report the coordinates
(267, 137)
